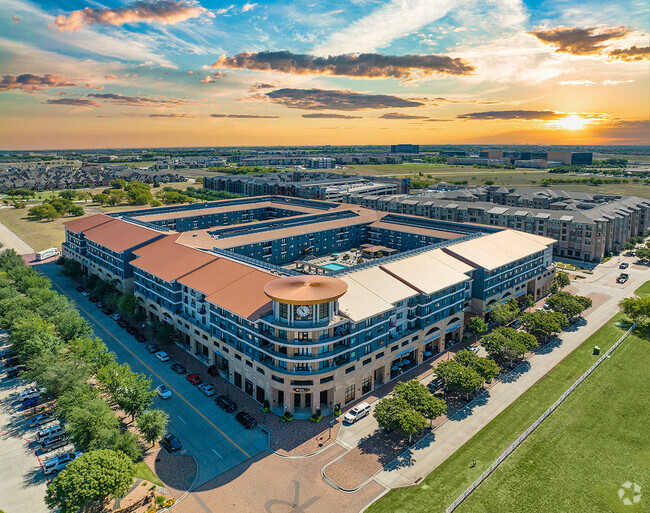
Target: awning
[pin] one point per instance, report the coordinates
(433, 337)
(452, 327)
(520, 293)
(405, 352)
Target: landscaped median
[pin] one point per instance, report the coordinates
(576, 461)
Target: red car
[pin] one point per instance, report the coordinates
(193, 378)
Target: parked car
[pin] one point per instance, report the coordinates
(140, 338)
(107, 311)
(131, 330)
(624, 265)
(79, 288)
(435, 385)
(93, 299)
(85, 293)
(246, 419)
(360, 411)
(10, 362)
(213, 370)
(100, 305)
(152, 348)
(53, 442)
(31, 402)
(163, 392)
(170, 442)
(162, 356)
(14, 371)
(47, 432)
(195, 379)
(178, 368)
(226, 404)
(60, 462)
(39, 420)
(122, 323)
(474, 349)
(115, 316)
(7, 353)
(621, 279)
(207, 389)
(29, 392)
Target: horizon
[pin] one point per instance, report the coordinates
(187, 73)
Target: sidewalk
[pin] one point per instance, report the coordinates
(432, 450)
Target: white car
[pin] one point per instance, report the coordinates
(207, 389)
(115, 316)
(26, 394)
(163, 392)
(85, 293)
(43, 418)
(162, 356)
(474, 349)
(358, 412)
(60, 462)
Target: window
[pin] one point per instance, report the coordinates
(326, 380)
(349, 370)
(366, 362)
(249, 363)
(349, 394)
(323, 310)
(379, 355)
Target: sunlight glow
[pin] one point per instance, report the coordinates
(572, 122)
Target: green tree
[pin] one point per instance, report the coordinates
(560, 280)
(418, 397)
(643, 253)
(503, 313)
(58, 375)
(128, 304)
(459, 377)
(568, 304)
(94, 477)
(101, 198)
(92, 424)
(118, 183)
(76, 211)
(92, 351)
(135, 394)
(543, 324)
(485, 367)
(70, 324)
(68, 194)
(44, 211)
(396, 414)
(152, 424)
(165, 333)
(476, 325)
(635, 308)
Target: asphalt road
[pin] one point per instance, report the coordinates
(214, 438)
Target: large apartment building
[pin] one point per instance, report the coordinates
(586, 226)
(232, 277)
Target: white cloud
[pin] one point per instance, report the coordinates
(586, 83)
(615, 82)
(248, 6)
(392, 21)
(225, 9)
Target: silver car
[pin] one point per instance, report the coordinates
(60, 462)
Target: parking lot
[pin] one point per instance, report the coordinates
(213, 437)
(22, 481)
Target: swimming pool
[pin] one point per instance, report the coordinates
(333, 267)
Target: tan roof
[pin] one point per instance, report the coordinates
(305, 289)
(197, 239)
(168, 260)
(359, 303)
(425, 272)
(196, 212)
(498, 249)
(86, 223)
(382, 284)
(119, 235)
(245, 297)
(417, 230)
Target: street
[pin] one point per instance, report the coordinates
(214, 438)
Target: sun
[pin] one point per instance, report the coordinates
(572, 122)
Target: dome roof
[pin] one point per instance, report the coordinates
(305, 289)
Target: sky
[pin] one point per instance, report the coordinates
(80, 74)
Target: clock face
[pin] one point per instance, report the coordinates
(303, 311)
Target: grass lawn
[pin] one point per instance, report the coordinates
(575, 461)
(143, 471)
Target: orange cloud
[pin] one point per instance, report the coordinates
(630, 54)
(165, 12)
(31, 83)
(579, 41)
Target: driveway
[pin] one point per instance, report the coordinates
(214, 438)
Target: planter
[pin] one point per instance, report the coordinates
(316, 418)
(287, 417)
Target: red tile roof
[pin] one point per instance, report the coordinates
(86, 223)
(168, 260)
(119, 235)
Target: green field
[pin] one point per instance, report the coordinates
(575, 461)
(143, 471)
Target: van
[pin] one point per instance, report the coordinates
(49, 432)
(356, 413)
(53, 442)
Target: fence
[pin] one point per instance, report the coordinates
(534, 426)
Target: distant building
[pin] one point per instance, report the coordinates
(527, 159)
(405, 148)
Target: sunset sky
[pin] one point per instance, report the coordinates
(85, 74)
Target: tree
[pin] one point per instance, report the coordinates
(529, 301)
(92, 351)
(165, 333)
(93, 477)
(485, 367)
(396, 414)
(135, 394)
(543, 324)
(635, 308)
(92, 424)
(643, 253)
(101, 198)
(44, 211)
(76, 211)
(70, 324)
(152, 424)
(68, 194)
(569, 305)
(128, 304)
(503, 313)
(560, 280)
(418, 397)
(508, 343)
(459, 377)
(58, 375)
(476, 325)
(118, 183)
